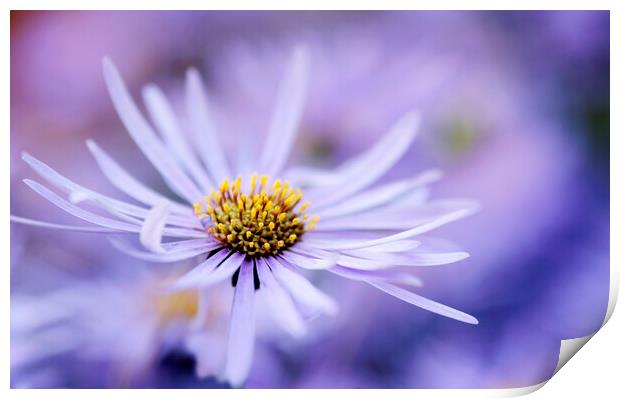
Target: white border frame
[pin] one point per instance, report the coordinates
(593, 372)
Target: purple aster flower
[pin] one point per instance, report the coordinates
(250, 223)
(79, 322)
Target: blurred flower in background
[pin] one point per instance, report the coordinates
(123, 329)
(516, 112)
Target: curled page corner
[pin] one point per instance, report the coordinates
(516, 392)
(568, 348)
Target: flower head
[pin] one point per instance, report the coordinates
(264, 222)
(249, 224)
(124, 321)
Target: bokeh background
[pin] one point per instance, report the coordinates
(516, 113)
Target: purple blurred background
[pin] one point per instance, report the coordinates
(516, 113)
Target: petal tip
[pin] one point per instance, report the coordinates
(150, 90)
(472, 320)
(107, 65)
(464, 255)
(413, 118)
(301, 55)
(192, 75)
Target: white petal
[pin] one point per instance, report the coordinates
(410, 258)
(311, 262)
(183, 233)
(78, 196)
(183, 245)
(121, 209)
(38, 223)
(283, 309)
(204, 278)
(204, 305)
(416, 197)
(128, 184)
(206, 347)
(378, 196)
(242, 326)
(376, 261)
(407, 233)
(335, 240)
(163, 257)
(396, 246)
(196, 275)
(301, 289)
(393, 276)
(287, 113)
(78, 193)
(201, 128)
(424, 303)
(144, 136)
(363, 264)
(368, 167)
(79, 212)
(397, 218)
(303, 249)
(302, 176)
(434, 259)
(162, 115)
(153, 227)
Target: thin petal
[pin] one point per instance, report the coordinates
(242, 326)
(283, 309)
(201, 128)
(416, 197)
(163, 257)
(302, 176)
(424, 303)
(375, 261)
(183, 233)
(202, 278)
(77, 192)
(397, 218)
(126, 183)
(144, 136)
(121, 209)
(38, 223)
(301, 289)
(95, 219)
(405, 234)
(153, 227)
(379, 196)
(162, 115)
(183, 245)
(368, 167)
(392, 276)
(307, 261)
(79, 212)
(415, 257)
(287, 113)
(335, 240)
(196, 275)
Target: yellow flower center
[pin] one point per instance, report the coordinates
(262, 223)
(178, 305)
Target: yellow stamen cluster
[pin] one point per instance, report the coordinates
(264, 222)
(178, 305)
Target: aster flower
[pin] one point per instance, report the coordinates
(125, 322)
(252, 225)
